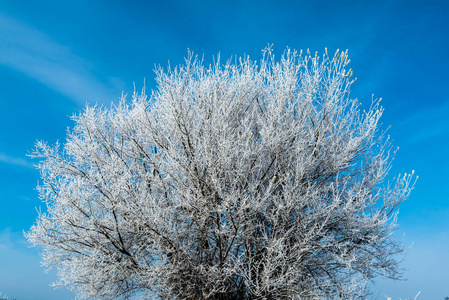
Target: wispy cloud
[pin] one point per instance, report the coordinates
(5, 239)
(31, 52)
(427, 123)
(15, 160)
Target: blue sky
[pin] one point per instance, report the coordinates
(56, 56)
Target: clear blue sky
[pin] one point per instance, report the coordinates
(56, 56)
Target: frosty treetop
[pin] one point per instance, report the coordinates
(248, 180)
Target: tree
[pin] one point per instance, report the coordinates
(238, 181)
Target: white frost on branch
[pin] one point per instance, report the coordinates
(238, 181)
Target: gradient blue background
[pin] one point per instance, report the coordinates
(56, 56)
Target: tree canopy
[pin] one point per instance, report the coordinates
(244, 180)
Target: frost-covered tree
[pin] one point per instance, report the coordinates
(245, 180)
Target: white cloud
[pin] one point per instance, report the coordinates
(427, 123)
(15, 160)
(34, 54)
(5, 238)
